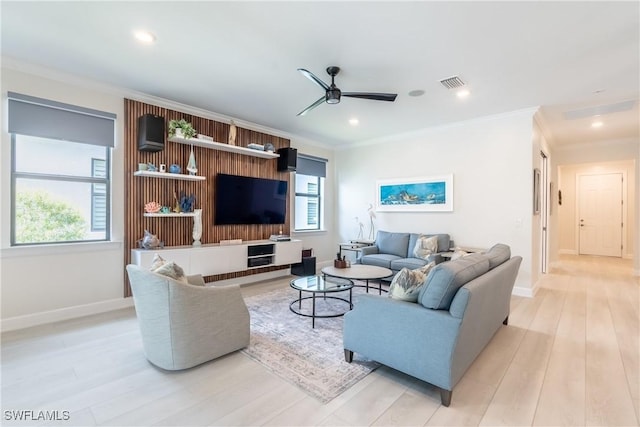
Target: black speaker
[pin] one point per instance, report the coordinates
(288, 159)
(150, 133)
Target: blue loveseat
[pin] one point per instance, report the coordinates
(460, 307)
(395, 251)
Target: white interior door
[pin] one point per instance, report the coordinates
(600, 214)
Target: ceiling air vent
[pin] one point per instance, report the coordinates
(452, 82)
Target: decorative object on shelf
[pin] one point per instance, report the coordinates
(150, 241)
(163, 167)
(151, 167)
(192, 168)
(204, 137)
(232, 133)
(152, 207)
(174, 168)
(197, 227)
(268, 147)
(181, 128)
(142, 167)
(256, 147)
(165, 209)
(184, 203)
(372, 215)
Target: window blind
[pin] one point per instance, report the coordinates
(311, 165)
(43, 118)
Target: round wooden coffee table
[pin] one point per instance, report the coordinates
(360, 272)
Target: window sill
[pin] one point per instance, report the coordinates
(309, 231)
(59, 249)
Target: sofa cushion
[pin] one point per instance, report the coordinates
(446, 278)
(498, 254)
(406, 284)
(410, 263)
(425, 246)
(392, 243)
(381, 260)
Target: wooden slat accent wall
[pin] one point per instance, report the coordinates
(177, 231)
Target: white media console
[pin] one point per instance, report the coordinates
(211, 259)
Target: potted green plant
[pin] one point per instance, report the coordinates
(181, 128)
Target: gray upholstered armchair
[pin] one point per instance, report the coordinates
(185, 325)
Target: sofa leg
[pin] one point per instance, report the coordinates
(505, 321)
(348, 355)
(445, 397)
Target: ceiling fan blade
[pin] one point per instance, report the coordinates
(311, 107)
(374, 96)
(313, 78)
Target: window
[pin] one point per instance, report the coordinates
(60, 172)
(309, 184)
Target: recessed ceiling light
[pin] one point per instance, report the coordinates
(417, 92)
(597, 124)
(463, 93)
(354, 122)
(144, 36)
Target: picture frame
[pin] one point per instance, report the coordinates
(536, 191)
(419, 194)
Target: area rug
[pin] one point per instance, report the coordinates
(312, 359)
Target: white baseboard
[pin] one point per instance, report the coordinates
(523, 292)
(35, 319)
(568, 252)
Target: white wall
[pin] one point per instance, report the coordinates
(491, 161)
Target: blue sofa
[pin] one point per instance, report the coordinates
(395, 251)
(460, 307)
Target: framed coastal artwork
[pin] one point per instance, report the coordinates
(426, 194)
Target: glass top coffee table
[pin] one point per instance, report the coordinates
(319, 287)
(360, 272)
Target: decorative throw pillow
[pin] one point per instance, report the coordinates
(406, 283)
(168, 268)
(425, 246)
(157, 262)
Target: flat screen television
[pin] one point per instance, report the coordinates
(247, 200)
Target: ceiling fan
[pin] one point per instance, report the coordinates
(333, 93)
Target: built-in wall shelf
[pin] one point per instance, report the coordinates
(170, 214)
(169, 175)
(224, 147)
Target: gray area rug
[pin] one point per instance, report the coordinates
(312, 359)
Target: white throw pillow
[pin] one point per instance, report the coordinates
(425, 246)
(406, 284)
(169, 269)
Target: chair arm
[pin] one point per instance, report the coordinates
(196, 280)
(367, 250)
(207, 311)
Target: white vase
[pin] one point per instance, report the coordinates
(197, 227)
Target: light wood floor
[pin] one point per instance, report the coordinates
(570, 356)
